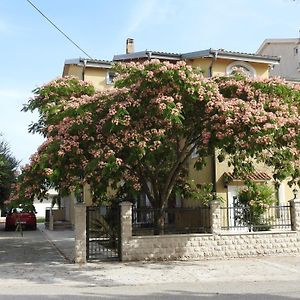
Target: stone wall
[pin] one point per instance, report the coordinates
(216, 245)
(201, 246)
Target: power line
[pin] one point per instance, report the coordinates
(76, 45)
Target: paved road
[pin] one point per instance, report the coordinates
(31, 268)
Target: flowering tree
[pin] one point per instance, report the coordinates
(139, 136)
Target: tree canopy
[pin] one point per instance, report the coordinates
(8, 169)
(139, 135)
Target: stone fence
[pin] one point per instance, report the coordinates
(216, 244)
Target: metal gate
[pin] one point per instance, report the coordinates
(103, 232)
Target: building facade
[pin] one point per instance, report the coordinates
(289, 52)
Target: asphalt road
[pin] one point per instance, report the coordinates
(31, 268)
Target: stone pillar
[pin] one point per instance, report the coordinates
(215, 217)
(51, 220)
(125, 226)
(80, 233)
(295, 214)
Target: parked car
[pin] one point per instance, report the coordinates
(26, 219)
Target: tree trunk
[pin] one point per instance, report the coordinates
(159, 221)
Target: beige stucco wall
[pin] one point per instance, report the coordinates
(205, 176)
(219, 66)
(97, 77)
(202, 63)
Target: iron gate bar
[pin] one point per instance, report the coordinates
(103, 233)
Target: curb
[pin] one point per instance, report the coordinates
(60, 252)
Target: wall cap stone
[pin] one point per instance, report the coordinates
(257, 233)
(171, 236)
(214, 202)
(297, 200)
(125, 203)
(80, 204)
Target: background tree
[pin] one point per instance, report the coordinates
(8, 169)
(142, 132)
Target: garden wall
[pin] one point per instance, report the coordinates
(202, 246)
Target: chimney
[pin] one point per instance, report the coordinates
(129, 46)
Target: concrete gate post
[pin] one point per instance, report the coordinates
(215, 217)
(80, 233)
(295, 214)
(51, 220)
(125, 226)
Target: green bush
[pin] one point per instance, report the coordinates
(253, 202)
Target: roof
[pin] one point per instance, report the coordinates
(212, 53)
(221, 53)
(254, 176)
(96, 63)
(148, 54)
(277, 41)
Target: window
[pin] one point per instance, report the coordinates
(241, 67)
(296, 50)
(110, 77)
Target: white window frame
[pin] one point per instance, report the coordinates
(240, 64)
(296, 51)
(110, 77)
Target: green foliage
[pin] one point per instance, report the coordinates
(201, 193)
(106, 225)
(8, 169)
(254, 201)
(49, 101)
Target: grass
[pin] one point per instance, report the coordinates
(40, 220)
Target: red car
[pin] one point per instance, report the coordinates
(18, 216)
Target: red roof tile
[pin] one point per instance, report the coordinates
(255, 176)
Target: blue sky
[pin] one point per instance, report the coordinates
(32, 52)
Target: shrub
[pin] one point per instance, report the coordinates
(253, 202)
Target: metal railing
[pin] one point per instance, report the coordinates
(150, 221)
(245, 218)
(103, 231)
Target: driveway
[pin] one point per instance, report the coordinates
(32, 268)
(32, 248)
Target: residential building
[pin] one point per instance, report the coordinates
(289, 52)
(40, 207)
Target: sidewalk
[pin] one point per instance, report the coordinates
(31, 263)
(62, 240)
